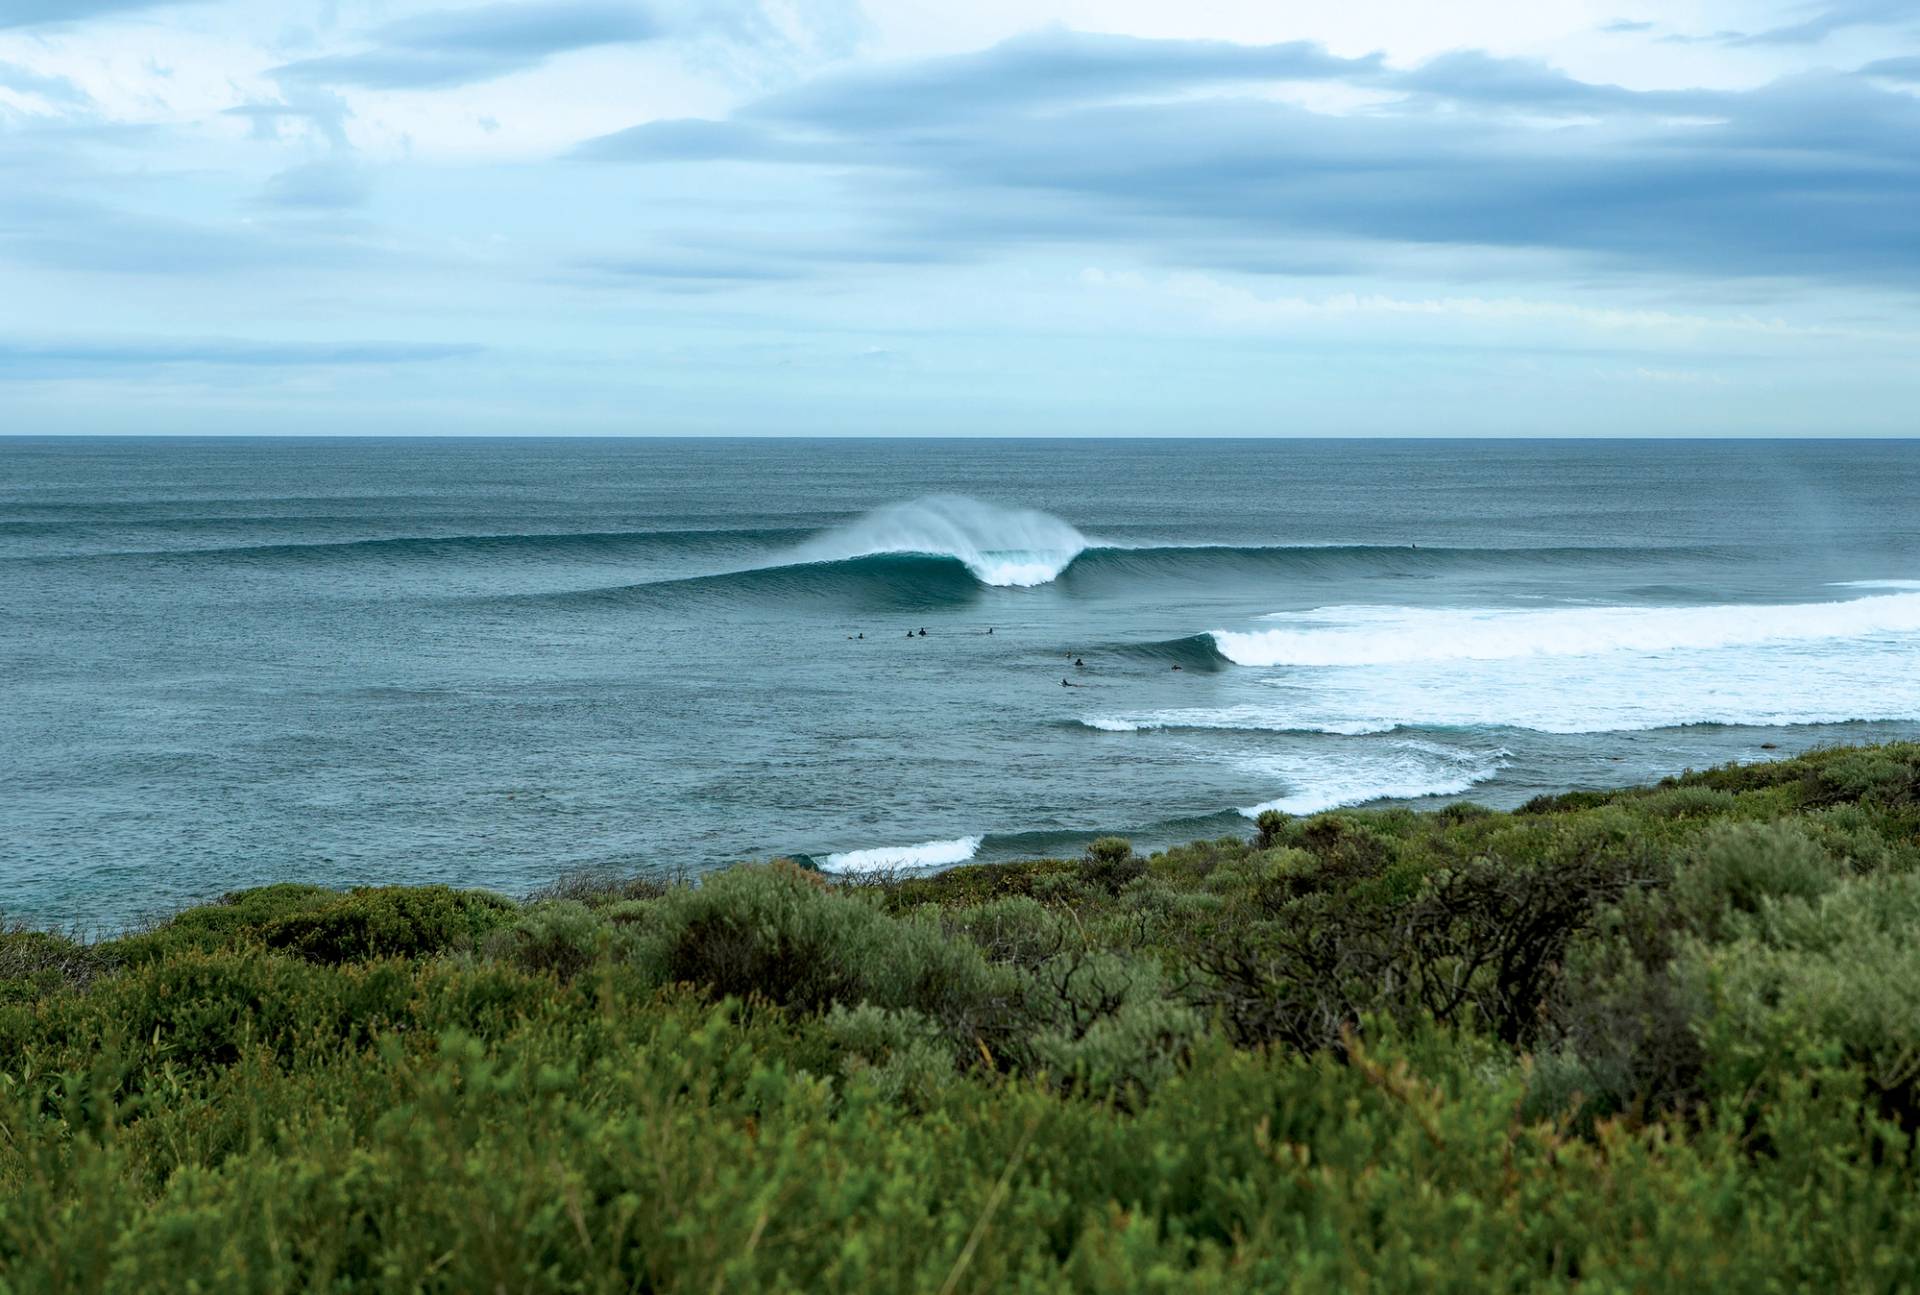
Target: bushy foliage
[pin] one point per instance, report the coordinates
(1646, 1039)
(388, 921)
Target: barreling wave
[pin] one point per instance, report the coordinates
(1000, 546)
(1373, 636)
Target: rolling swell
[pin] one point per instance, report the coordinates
(532, 547)
(905, 579)
(1114, 565)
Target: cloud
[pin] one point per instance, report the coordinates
(1055, 66)
(30, 13)
(54, 89)
(319, 185)
(31, 360)
(1895, 69)
(460, 46)
(1823, 20)
(1088, 139)
(1476, 77)
(1623, 25)
(318, 109)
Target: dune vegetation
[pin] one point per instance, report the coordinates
(1662, 1038)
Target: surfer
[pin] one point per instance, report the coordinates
(923, 631)
(1065, 684)
(989, 629)
(1078, 664)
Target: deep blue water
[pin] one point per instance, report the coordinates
(227, 662)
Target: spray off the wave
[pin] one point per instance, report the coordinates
(1000, 546)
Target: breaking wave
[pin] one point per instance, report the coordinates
(902, 858)
(1000, 546)
(1366, 636)
(1322, 778)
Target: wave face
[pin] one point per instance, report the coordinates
(902, 858)
(1000, 546)
(1358, 636)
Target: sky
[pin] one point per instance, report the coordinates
(1009, 217)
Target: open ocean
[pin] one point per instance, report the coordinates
(488, 662)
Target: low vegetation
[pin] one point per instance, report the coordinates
(1663, 1038)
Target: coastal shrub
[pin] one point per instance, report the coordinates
(1738, 868)
(389, 921)
(601, 887)
(236, 919)
(1639, 1041)
(897, 1053)
(1882, 777)
(1270, 826)
(34, 963)
(1111, 863)
(782, 935)
(1116, 1032)
(1688, 802)
(1015, 930)
(561, 937)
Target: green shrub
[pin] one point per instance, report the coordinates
(1737, 869)
(1111, 863)
(561, 937)
(1271, 826)
(389, 921)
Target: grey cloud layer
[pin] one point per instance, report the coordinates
(460, 46)
(28, 13)
(53, 359)
(1813, 176)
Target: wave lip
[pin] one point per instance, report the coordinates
(1372, 635)
(927, 854)
(1019, 547)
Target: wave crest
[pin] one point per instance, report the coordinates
(1000, 546)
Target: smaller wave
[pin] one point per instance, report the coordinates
(901, 858)
(1245, 719)
(1410, 769)
(1019, 547)
(1874, 584)
(1195, 652)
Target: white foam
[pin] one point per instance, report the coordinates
(1249, 718)
(1358, 636)
(1320, 778)
(928, 854)
(1001, 546)
(1875, 584)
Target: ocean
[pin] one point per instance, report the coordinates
(227, 662)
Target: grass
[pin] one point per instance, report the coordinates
(1660, 1038)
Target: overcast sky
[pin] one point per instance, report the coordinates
(1573, 217)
